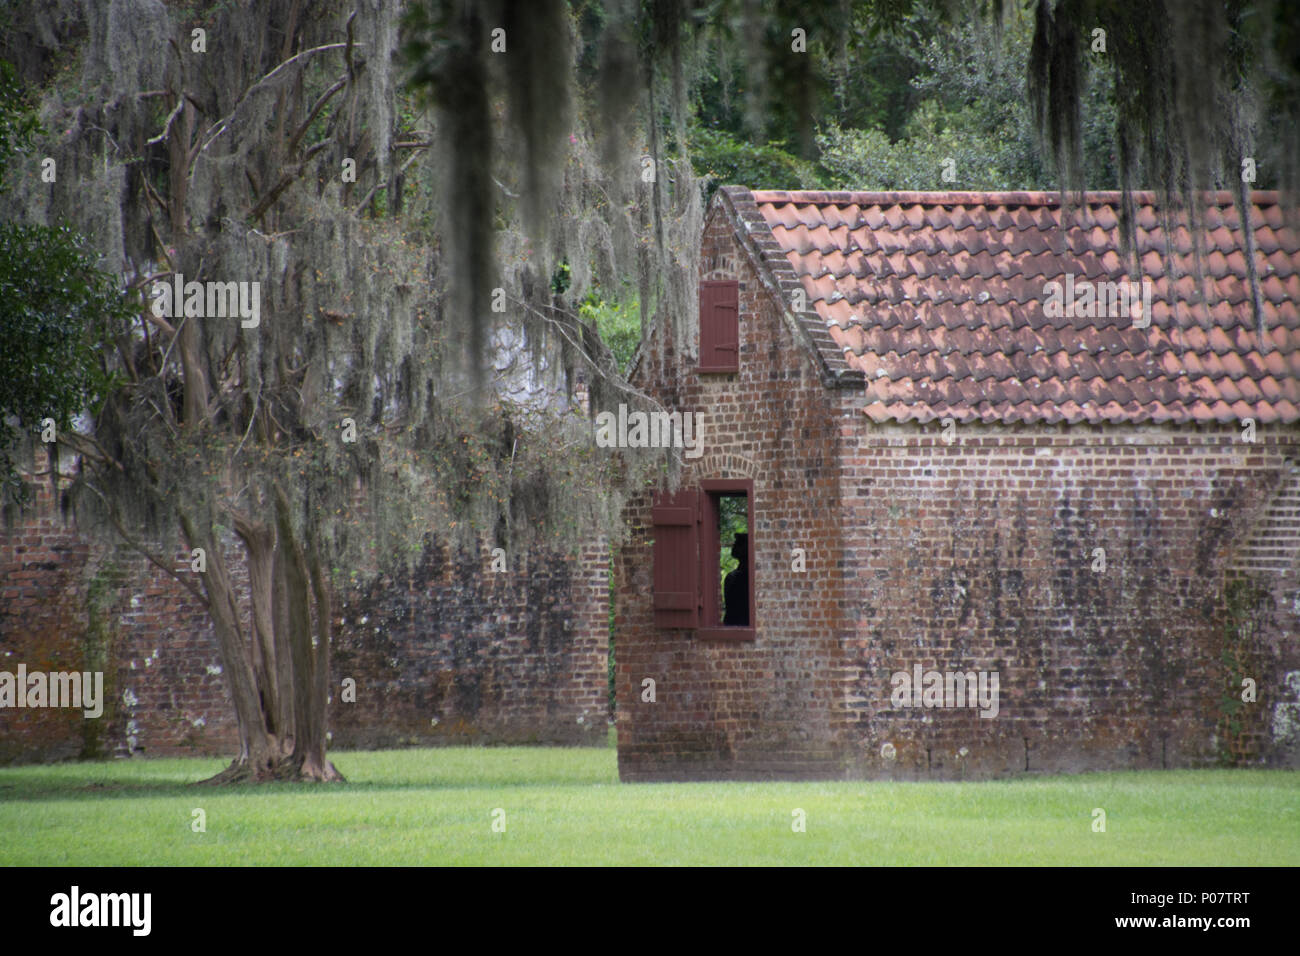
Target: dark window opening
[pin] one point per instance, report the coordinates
(728, 549)
(733, 563)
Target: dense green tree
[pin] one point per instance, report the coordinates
(972, 109)
(720, 158)
(55, 306)
(856, 71)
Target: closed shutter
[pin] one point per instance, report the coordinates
(677, 593)
(720, 326)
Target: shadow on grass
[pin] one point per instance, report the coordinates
(112, 779)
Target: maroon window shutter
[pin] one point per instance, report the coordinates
(720, 326)
(677, 592)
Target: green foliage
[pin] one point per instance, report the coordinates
(618, 320)
(972, 87)
(732, 520)
(56, 309)
(753, 84)
(866, 159)
(972, 108)
(903, 91)
(721, 159)
(18, 123)
(561, 278)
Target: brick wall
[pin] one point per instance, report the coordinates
(764, 708)
(456, 653)
(66, 605)
(974, 555)
(981, 555)
(37, 562)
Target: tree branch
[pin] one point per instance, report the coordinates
(83, 445)
(384, 185)
(167, 126)
(315, 111)
(596, 367)
(267, 201)
(152, 558)
(222, 125)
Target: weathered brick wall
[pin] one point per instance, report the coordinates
(1261, 625)
(974, 555)
(747, 709)
(455, 653)
(65, 606)
(458, 653)
(165, 679)
(38, 561)
(980, 555)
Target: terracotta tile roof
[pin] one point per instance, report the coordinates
(935, 304)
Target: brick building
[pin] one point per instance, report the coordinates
(971, 456)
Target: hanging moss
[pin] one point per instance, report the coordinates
(227, 166)
(1191, 82)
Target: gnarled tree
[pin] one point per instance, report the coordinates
(313, 440)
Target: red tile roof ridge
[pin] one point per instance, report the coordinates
(1223, 197)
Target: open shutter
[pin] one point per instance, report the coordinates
(720, 326)
(677, 592)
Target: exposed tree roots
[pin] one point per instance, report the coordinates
(285, 770)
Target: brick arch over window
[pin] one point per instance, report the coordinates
(725, 465)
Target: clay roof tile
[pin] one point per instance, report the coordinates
(955, 282)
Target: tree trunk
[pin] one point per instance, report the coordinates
(304, 593)
(278, 681)
(271, 669)
(259, 750)
(313, 742)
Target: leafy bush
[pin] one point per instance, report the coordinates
(733, 520)
(721, 159)
(618, 320)
(55, 310)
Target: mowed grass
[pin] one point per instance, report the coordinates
(566, 806)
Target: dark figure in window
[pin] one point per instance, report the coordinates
(735, 590)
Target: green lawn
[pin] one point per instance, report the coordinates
(566, 806)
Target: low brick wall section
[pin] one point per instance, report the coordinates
(455, 653)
